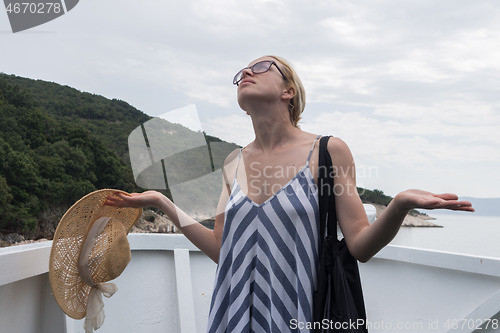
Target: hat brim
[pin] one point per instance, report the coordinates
(70, 292)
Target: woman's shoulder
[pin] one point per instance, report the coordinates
(232, 156)
(339, 151)
(230, 163)
(336, 144)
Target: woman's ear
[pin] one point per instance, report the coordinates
(289, 93)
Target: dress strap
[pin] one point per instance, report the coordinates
(238, 163)
(312, 149)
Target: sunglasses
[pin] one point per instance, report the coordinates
(258, 68)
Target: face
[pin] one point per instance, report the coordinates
(266, 86)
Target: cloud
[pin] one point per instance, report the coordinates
(401, 142)
(425, 153)
(233, 128)
(403, 85)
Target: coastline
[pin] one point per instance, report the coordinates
(412, 220)
(152, 222)
(149, 222)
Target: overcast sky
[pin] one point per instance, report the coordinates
(412, 86)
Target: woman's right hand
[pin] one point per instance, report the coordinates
(136, 200)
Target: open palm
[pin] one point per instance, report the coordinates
(144, 199)
(427, 200)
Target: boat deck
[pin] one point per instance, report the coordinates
(167, 287)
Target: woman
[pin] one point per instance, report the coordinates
(265, 236)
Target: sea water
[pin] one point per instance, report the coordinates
(465, 233)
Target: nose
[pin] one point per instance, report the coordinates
(246, 71)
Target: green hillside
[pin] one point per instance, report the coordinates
(108, 120)
(58, 144)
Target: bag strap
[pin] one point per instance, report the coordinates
(326, 193)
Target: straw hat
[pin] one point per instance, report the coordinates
(90, 247)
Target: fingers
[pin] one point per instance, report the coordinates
(447, 196)
(121, 194)
(112, 201)
(136, 200)
(450, 201)
(465, 209)
(455, 205)
(117, 199)
(464, 206)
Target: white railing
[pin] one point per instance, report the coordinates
(167, 287)
(408, 289)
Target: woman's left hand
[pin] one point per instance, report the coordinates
(411, 199)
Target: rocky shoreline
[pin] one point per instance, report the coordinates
(152, 222)
(149, 222)
(412, 219)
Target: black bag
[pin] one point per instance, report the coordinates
(338, 304)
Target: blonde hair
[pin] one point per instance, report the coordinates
(298, 102)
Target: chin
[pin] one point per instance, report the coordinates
(244, 99)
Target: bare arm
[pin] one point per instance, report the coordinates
(201, 236)
(365, 240)
(207, 240)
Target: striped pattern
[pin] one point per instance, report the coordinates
(267, 265)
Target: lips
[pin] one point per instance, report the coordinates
(246, 81)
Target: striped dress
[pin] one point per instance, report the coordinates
(267, 265)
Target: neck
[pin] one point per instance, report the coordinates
(272, 129)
